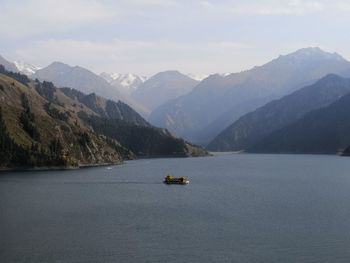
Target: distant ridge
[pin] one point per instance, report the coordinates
(26, 68)
(322, 131)
(44, 126)
(8, 65)
(255, 126)
(163, 87)
(217, 101)
(84, 80)
(126, 83)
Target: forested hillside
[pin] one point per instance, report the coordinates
(42, 125)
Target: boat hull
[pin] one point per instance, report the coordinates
(174, 182)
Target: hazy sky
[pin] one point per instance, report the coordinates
(147, 36)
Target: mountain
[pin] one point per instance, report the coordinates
(8, 65)
(218, 101)
(126, 83)
(19, 66)
(78, 78)
(198, 77)
(254, 126)
(84, 80)
(106, 108)
(42, 125)
(26, 68)
(162, 87)
(322, 131)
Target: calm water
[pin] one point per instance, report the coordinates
(237, 208)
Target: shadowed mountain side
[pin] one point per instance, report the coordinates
(107, 108)
(41, 125)
(326, 130)
(218, 101)
(254, 126)
(143, 140)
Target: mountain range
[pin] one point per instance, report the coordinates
(84, 80)
(42, 125)
(26, 68)
(126, 83)
(218, 101)
(163, 87)
(226, 112)
(140, 93)
(253, 127)
(322, 131)
(151, 92)
(78, 78)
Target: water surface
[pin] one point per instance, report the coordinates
(237, 208)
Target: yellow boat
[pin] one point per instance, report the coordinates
(169, 179)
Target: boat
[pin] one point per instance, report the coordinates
(169, 179)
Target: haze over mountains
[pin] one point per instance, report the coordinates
(26, 68)
(322, 131)
(227, 111)
(76, 77)
(84, 80)
(8, 65)
(158, 89)
(218, 101)
(163, 87)
(42, 125)
(141, 94)
(255, 126)
(126, 83)
(154, 91)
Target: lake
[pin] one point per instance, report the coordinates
(237, 208)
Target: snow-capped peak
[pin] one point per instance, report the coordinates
(26, 68)
(198, 77)
(225, 74)
(129, 82)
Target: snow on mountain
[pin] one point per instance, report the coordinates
(128, 82)
(26, 68)
(200, 77)
(225, 74)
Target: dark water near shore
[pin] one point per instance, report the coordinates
(237, 208)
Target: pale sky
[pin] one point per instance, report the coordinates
(148, 36)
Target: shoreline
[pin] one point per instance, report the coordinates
(85, 166)
(55, 168)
